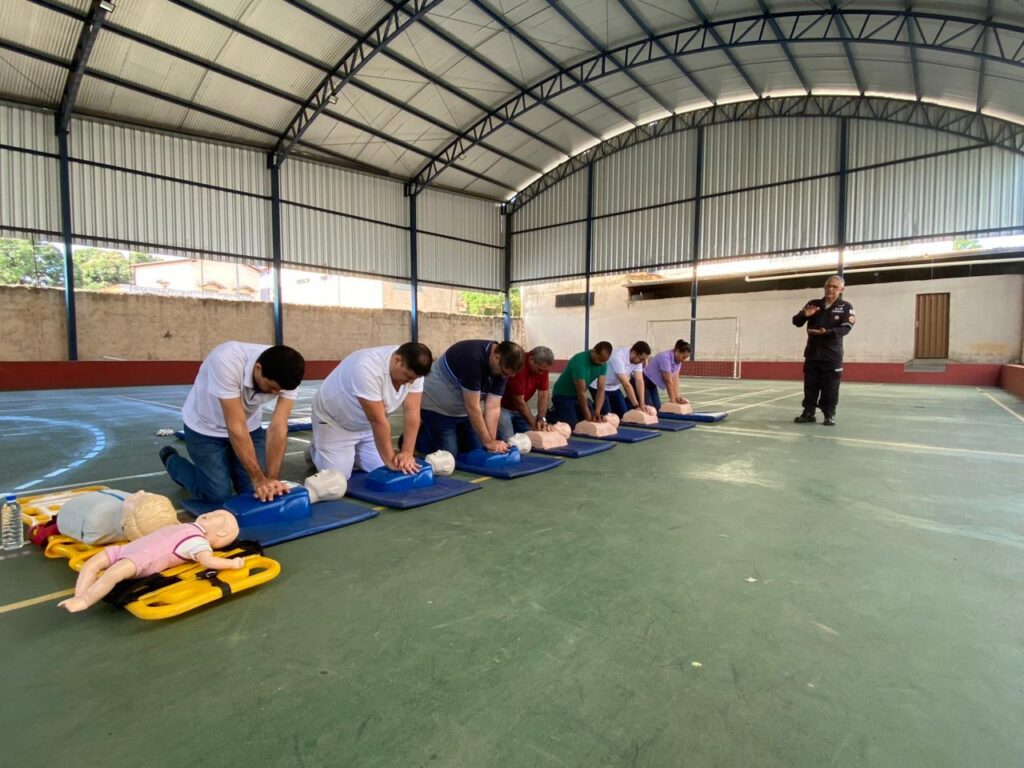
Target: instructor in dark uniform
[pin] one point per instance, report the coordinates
(827, 321)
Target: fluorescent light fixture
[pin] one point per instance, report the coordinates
(107, 6)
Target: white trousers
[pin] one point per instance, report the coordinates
(334, 448)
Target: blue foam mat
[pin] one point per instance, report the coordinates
(577, 449)
(443, 488)
(665, 425)
(630, 435)
(529, 465)
(293, 426)
(705, 418)
(326, 516)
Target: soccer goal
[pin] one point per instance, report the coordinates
(716, 348)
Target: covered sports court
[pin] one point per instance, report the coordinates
(337, 175)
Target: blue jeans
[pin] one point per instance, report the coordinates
(614, 402)
(651, 396)
(511, 423)
(216, 475)
(439, 432)
(564, 408)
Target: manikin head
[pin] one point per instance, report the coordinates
(681, 351)
(144, 513)
(506, 359)
(325, 485)
(278, 368)
(410, 361)
(220, 527)
(540, 360)
(834, 288)
(639, 353)
(601, 352)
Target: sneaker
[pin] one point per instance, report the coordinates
(805, 418)
(166, 452)
(829, 421)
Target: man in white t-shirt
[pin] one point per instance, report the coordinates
(624, 384)
(230, 451)
(350, 410)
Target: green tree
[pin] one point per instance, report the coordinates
(25, 263)
(480, 303)
(98, 268)
(966, 244)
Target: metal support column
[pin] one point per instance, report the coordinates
(844, 125)
(64, 168)
(506, 220)
(275, 238)
(589, 255)
(698, 197)
(414, 276)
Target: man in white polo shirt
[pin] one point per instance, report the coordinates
(624, 385)
(231, 451)
(350, 410)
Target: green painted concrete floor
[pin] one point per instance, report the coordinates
(753, 593)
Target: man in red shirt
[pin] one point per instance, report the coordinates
(532, 379)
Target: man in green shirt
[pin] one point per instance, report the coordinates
(569, 395)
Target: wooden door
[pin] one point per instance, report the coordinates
(931, 326)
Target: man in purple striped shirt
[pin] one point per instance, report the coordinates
(663, 371)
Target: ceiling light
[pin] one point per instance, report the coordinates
(107, 6)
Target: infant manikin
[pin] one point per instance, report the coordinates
(155, 552)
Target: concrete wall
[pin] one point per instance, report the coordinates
(986, 318)
(127, 327)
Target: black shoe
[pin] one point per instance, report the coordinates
(829, 422)
(166, 452)
(805, 418)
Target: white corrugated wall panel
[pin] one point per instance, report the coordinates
(650, 238)
(324, 239)
(27, 128)
(781, 218)
(29, 194)
(123, 209)
(961, 193)
(755, 152)
(196, 160)
(343, 191)
(549, 253)
(653, 172)
(564, 202)
(459, 216)
(870, 142)
(456, 262)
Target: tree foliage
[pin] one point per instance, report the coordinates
(25, 263)
(480, 303)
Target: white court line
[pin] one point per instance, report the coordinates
(755, 405)
(175, 408)
(862, 441)
(83, 483)
(733, 398)
(1008, 410)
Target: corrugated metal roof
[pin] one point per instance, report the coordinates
(31, 80)
(40, 28)
(872, 143)
(651, 173)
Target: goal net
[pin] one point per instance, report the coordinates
(716, 344)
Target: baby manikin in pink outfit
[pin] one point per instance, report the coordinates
(154, 552)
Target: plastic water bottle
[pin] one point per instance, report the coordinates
(13, 532)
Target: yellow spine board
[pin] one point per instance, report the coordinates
(193, 588)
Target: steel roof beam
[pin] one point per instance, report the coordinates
(285, 95)
(512, 30)
(726, 49)
(981, 68)
(982, 129)
(403, 15)
(594, 43)
(845, 35)
(646, 29)
(915, 73)
(481, 61)
(90, 29)
(953, 34)
(785, 47)
(323, 17)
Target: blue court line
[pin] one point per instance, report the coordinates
(98, 446)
